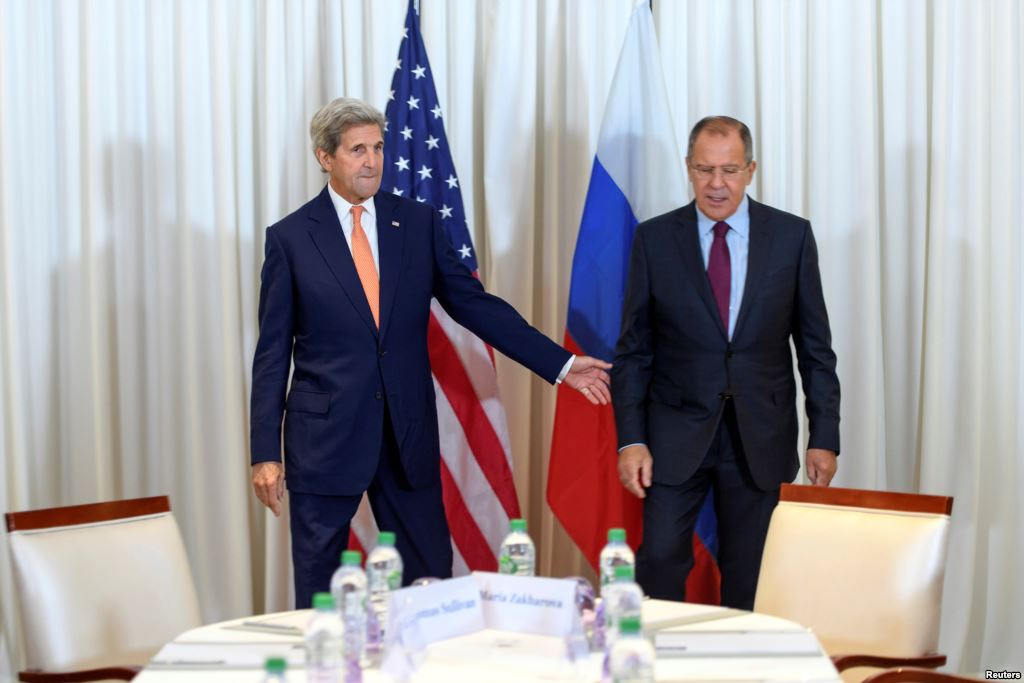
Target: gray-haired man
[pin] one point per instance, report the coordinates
(345, 296)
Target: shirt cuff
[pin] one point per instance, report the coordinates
(565, 369)
(638, 443)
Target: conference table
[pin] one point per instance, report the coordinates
(696, 643)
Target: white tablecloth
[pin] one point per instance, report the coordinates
(732, 646)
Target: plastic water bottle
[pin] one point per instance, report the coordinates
(585, 605)
(615, 554)
(348, 586)
(323, 642)
(518, 555)
(273, 670)
(623, 599)
(632, 657)
(383, 575)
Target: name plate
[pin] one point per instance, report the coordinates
(420, 615)
(522, 604)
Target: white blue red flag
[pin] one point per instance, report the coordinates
(637, 174)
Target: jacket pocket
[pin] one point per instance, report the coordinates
(308, 402)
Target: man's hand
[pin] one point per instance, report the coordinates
(635, 463)
(821, 466)
(268, 483)
(589, 376)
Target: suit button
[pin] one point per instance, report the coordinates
(379, 395)
(382, 353)
(725, 395)
(728, 354)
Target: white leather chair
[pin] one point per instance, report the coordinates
(862, 569)
(101, 587)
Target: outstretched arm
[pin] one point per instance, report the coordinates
(497, 323)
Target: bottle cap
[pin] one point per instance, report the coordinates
(386, 538)
(351, 558)
(517, 525)
(274, 665)
(624, 572)
(618, 535)
(323, 601)
(629, 624)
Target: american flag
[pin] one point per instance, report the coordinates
(476, 467)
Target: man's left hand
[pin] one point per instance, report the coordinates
(589, 376)
(821, 466)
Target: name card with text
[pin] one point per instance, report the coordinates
(421, 615)
(527, 604)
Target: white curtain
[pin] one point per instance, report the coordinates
(145, 146)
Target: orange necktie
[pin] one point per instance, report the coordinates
(363, 258)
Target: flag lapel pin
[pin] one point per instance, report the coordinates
(394, 223)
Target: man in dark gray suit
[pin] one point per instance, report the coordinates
(703, 383)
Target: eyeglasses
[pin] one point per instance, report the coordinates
(728, 172)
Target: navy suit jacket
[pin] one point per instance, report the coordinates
(675, 366)
(313, 312)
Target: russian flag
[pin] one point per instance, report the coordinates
(637, 174)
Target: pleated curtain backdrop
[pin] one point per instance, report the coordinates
(145, 146)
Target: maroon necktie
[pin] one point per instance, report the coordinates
(720, 272)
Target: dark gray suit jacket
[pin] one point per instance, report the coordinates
(675, 366)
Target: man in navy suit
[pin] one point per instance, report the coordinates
(703, 385)
(345, 296)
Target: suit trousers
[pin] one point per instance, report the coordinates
(320, 525)
(743, 511)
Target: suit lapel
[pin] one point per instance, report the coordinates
(390, 239)
(758, 251)
(688, 242)
(329, 239)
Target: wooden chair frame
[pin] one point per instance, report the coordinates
(878, 500)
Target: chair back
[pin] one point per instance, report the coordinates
(863, 569)
(100, 585)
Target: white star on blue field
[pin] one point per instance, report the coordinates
(417, 160)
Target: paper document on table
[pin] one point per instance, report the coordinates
(736, 644)
(291, 624)
(492, 655)
(662, 614)
(225, 655)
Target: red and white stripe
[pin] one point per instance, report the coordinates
(476, 458)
